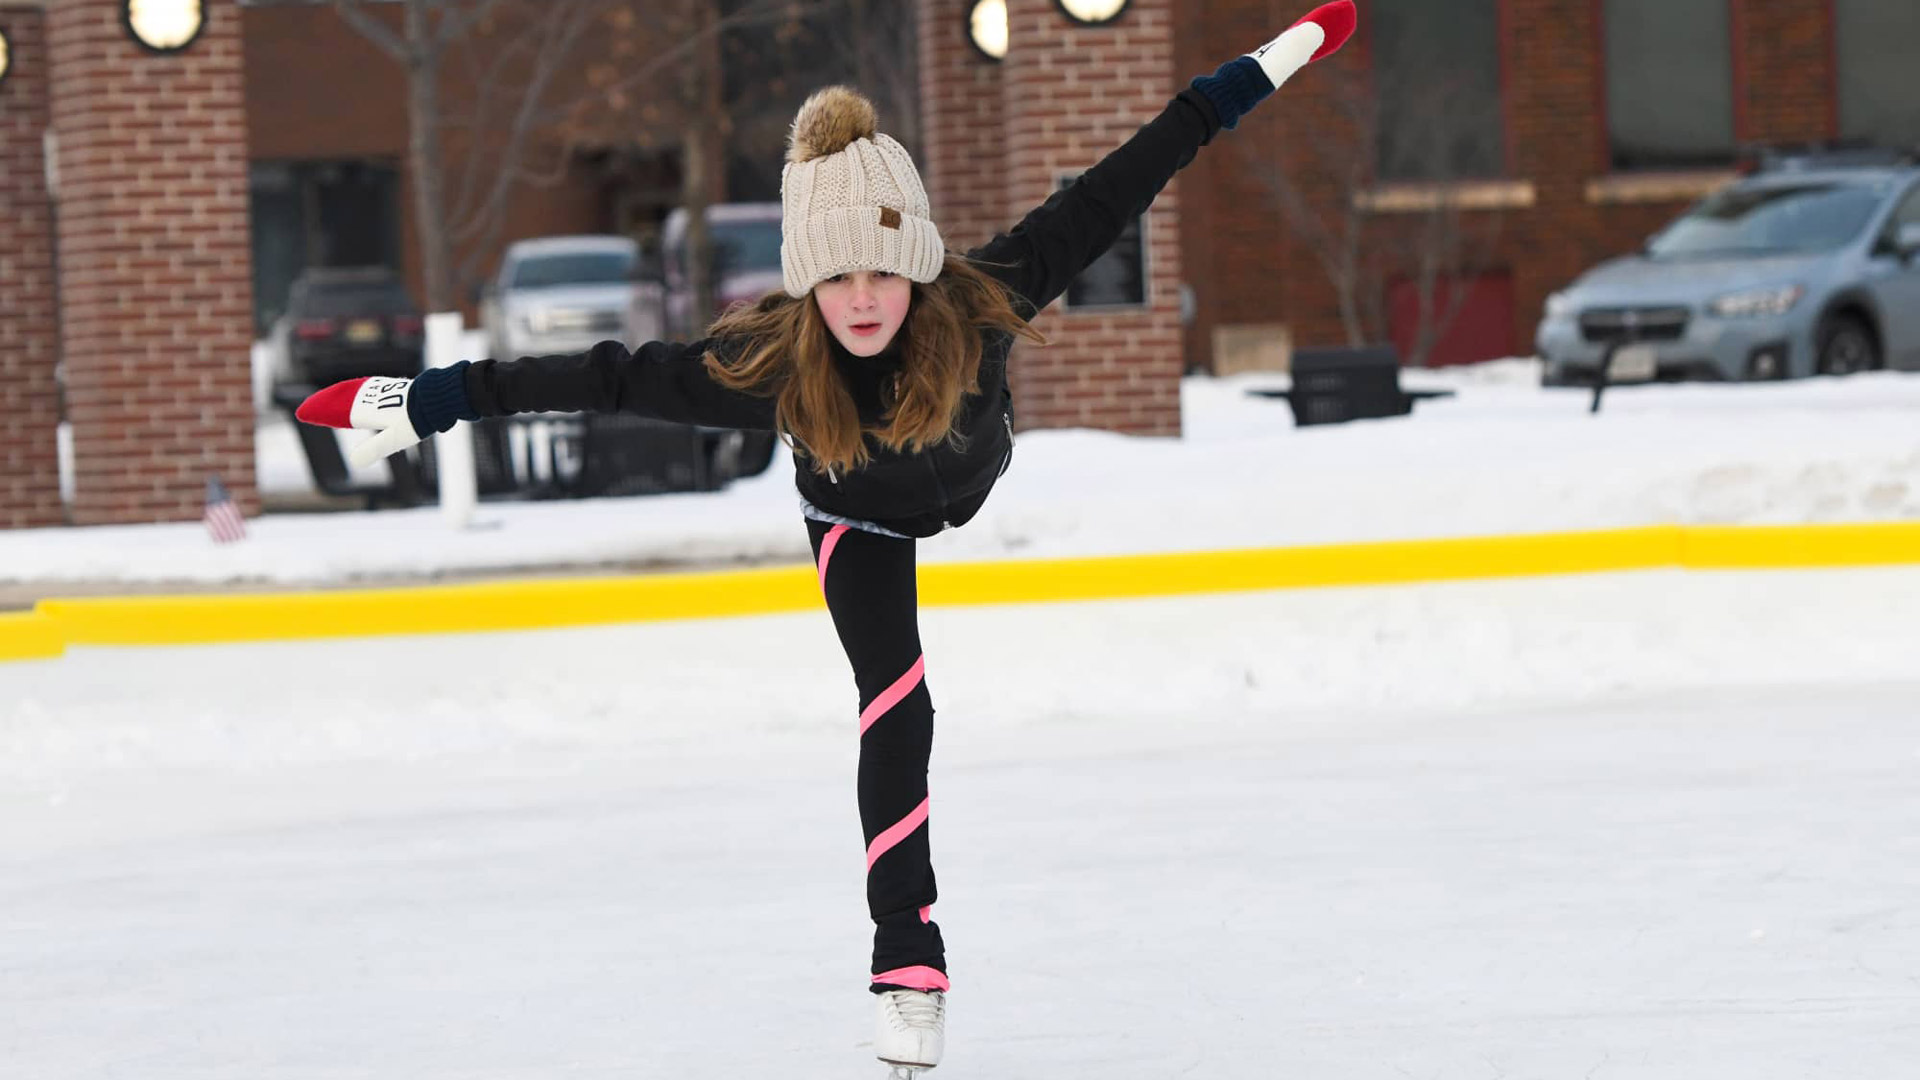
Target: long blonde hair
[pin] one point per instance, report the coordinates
(789, 357)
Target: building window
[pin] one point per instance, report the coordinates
(1120, 277)
(1669, 84)
(1877, 41)
(1436, 76)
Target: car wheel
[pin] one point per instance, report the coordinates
(1846, 347)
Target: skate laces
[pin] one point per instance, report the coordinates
(916, 1009)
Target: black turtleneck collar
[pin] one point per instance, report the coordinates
(868, 378)
(888, 357)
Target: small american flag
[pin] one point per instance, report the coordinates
(222, 517)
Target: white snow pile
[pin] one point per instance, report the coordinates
(1501, 455)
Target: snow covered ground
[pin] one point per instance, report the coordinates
(1654, 825)
(1500, 456)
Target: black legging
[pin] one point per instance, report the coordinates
(869, 584)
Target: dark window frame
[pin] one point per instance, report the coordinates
(1503, 84)
(1836, 119)
(1736, 74)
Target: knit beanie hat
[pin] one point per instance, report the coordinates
(851, 198)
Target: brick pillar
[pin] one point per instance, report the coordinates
(1072, 93)
(1785, 77)
(29, 327)
(156, 300)
(965, 158)
(1558, 140)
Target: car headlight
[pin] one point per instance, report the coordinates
(537, 320)
(1559, 305)
(1752, 302)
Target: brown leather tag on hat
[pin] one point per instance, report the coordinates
(889, 218)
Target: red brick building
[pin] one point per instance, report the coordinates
(139, 259)
(1575, 128)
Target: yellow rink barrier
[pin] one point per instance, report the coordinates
(524, 605)
(30, 635)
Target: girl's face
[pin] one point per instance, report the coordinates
(864, 308)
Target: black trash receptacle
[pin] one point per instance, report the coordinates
(1331, 386)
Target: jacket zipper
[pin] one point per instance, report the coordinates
(940, 486)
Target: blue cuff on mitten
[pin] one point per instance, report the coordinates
(1235, 88)
(437, 398)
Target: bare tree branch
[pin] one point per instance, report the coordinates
(454, 28)
(1336, 234)
(1363, 250)
(526, 114)
(549, 40)
(562, 32)
(371, 28)
(757, 13)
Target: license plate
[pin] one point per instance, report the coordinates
(363, 332)
(1633, 363)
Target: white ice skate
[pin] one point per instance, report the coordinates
(912, 1031)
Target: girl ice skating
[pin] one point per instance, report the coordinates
(884, 364)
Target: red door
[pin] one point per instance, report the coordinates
(1481, 330)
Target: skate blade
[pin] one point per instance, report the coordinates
(907, 1072)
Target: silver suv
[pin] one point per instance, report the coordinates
(1809, 266)
(558, 294)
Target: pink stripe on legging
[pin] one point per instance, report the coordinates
(891, 695)
(915, 978)
(885, 841)
(826, 552)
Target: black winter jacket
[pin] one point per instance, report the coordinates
(916, 494)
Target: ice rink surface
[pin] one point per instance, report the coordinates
(1650, 825)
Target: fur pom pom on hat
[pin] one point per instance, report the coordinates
(851, 198)
(828, 122)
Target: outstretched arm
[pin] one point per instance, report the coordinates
(664, 380)
(1076, 225)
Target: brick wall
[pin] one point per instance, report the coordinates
(1073, 93)
(155, 290)
(29, 335)
(1786, 50)
(964, 164)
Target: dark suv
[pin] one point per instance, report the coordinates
(343, 324)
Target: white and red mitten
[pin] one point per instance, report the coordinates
(1245, 81)
(376, 404)
(1316, 36)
